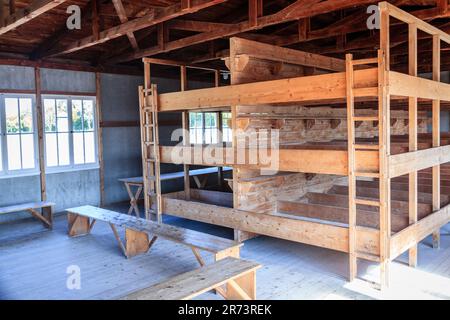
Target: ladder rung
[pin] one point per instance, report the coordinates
(151, 178)
(365, 202)
(152, 160)
(149, 143)
(365, 118)
(148, 125)
(367, 174)
(367, 146)
(365, 61)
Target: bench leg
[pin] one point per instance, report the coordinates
(40, 217)
(47, 213)
(136, 242)
(78, 225)
(242, 288)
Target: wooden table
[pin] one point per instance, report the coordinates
(138, 183)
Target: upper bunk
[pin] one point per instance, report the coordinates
(329, 86)
(326, 86)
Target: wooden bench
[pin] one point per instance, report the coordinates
(238, 276)
(138, 183)
(137, 231)
(45, 216)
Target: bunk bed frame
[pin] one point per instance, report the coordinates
(351, 81)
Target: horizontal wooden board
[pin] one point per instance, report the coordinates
(193, 283)
(313, 233)
(300, 89)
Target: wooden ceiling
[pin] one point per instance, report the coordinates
(118, 33)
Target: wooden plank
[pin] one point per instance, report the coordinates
(403, 240)
(26, 206)
(409, 86)
(285, 55)
(301, 89)
(405, 163)
(136, 242)
(335, 213)
(187, 237)
(313, 233)
(99, 116)
(191, 284)
(413, 139)
(436, 133)
(353, 270)
(22, 16)
(186, 134)
(291, 160)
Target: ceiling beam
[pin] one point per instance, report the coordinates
(120, 9)
(155, 17)
(297, 10)
(22, 16)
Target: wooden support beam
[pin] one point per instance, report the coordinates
(98, 116)
(285, 55)
(186, 136)
(155, 17)
(40, 130)
(12, 7)
(436, 133)
(412, 101)
(301, 89)
(22, 16)
(95, 19)
(118, 5)
(297, 10)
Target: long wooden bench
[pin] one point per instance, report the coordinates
(137, 231)
(45, 216)
(238, 276)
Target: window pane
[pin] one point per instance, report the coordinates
(192, 136)
(61, 108)
(199, 122)
(26, 115)
(77, 116)
(27, 151)
(50, 115)
(191, 120)
(63, 124)
(13, 147)
(12, 115)
(63, 149)
(89, 147)
(88, 113)
(78, 148)
(51, 149)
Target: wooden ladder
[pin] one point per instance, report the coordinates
(353, 173)
(150, 152)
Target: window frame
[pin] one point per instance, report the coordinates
(214, 130)
(5, 172)
(71, 166)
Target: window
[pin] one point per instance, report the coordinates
(203, 127)
(70, 133)
(18, 139)
(226, 127)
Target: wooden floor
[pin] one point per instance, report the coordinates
(34, 261)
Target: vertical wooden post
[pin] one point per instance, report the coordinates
(2, 13)
(40, 131)
(253, 12)
(412, 102)
(12, 7)
(384, 140)
(186, 137)
(98, 113)
(95, 20)
(351, 169)
(220, 128)
(436, 134)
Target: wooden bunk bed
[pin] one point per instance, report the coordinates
(389, 190)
